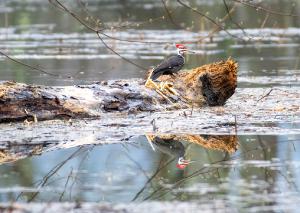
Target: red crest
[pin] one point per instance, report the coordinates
(180, 46)
(181, 166)
(182, 163)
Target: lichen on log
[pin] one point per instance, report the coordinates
(210, 84)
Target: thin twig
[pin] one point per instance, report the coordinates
(97, 31)
(53, 172)
(66, 184)
(264, 21)
(209, 19)
(169, 13)
(232, 20)
(266, 95)
(125, 59)
(151, 178)
(265, 9)
(27, 65)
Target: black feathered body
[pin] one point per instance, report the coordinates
(168, 67)
(170, 147)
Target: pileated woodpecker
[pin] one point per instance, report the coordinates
(173, 148)
(170, 65)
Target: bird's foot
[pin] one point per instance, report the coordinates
(168, 87)
(165, 90)
(158, 88)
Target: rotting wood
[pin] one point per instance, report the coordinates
(210, 84)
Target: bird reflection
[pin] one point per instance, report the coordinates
(172, 145)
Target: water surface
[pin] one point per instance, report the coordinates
(39, 34)
(249, 171)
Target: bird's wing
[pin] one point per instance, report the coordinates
(169, 146)
(166, 66)
(169, 63)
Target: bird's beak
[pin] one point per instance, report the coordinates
(186, 162)
(181, 166)
(182, 163)
(190, 51)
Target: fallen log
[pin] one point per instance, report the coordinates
(210, 85)
(251, 111)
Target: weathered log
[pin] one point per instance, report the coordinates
(257, 111)
(210, 84)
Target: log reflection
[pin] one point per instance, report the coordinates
(171, 144)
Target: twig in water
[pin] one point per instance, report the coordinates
(98, 31)
(266, 95)
(235, 125)
(66, 184)
(154, 127)
(151, 178)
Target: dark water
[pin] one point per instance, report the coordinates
(262, 174)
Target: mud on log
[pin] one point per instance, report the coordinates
(210, 84)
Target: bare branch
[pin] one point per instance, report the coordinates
(231, 19)
(209, 19)
(265, 9)
(64, 8)
(169, 13)
(27, 65)
(125, 59)
(97, 31)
